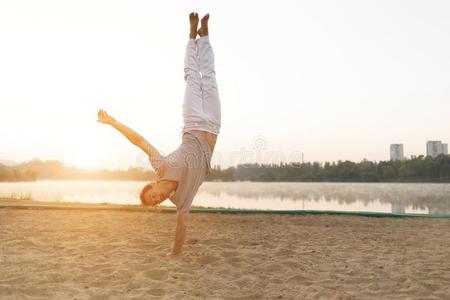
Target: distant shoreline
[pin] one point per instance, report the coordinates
(419, 169)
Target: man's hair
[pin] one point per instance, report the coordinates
(144, 190)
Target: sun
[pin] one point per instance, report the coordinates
(88, 158)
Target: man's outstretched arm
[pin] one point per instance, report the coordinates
(129, 133)
(180, 232)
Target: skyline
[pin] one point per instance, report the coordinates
(393, 155)
(334, 81)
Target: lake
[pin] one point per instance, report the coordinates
(399, 198)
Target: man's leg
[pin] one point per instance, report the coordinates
(192, 106)
(211, 100)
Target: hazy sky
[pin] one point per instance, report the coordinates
(332, 79)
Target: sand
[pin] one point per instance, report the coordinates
(104, 254)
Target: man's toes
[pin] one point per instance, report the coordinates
(193, 18)
(205, 20)
(193, 15)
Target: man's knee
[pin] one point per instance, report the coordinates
(191, 75)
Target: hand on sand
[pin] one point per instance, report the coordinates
(104, 118)
(172, 254)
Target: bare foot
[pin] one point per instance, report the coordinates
(193, 22)
(203, 31)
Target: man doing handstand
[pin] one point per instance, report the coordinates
(181, 173)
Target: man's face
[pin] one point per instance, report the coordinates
(154, 193)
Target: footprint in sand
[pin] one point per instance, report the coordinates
(299, 280)
(156, 274)
(192, 241)
(229, 246)
(273, 268)
(156, 292)
(237, 259)
(245, 282)
(207, 259)
(229, 253)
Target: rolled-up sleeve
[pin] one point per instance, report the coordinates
(157, 164)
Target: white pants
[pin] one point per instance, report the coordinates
(201, 107)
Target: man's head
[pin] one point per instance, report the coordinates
(156, 192)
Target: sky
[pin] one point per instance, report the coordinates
(333, 80)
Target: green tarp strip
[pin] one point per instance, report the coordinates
(222, 210)
(310, 212)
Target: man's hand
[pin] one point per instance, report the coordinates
(104, 118)
(171, 254)
(134, 137)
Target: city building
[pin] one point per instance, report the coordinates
(435, 148)
(396, 151)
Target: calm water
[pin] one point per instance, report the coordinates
(402, 198)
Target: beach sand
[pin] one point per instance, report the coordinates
(103, 254)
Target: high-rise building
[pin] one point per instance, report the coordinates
(435, 148)
(396, 151)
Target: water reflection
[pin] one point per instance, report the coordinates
(402, 198)
(397, 198)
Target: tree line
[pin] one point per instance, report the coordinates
(53, 169)
(415, 169)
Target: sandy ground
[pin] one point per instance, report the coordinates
(103, 254)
